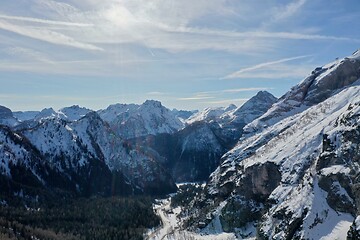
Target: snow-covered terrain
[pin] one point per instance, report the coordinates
(172, 229)
(294, 174)
(209, 114)
(132, 120)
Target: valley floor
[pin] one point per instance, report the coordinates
(171, 226)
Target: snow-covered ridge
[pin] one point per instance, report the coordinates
(151, 117)
(321, 84)
(209, 114)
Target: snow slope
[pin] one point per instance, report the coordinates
(209, 114)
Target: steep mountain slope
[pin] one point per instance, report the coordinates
(295, 176)
(149, 118)
(80, 143)
(79, 158)
(190, 154)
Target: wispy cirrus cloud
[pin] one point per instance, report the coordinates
(238, 101)
(47, 36)
(288, 10)
(243, 72)
(28, 53)
(195, 98)
(206, 95)
(45, 21)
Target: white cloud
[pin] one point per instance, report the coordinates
(118, 26)
(240, 73)
(288, 11)
(28, 53)
(45, 21)
(47, 36)
(195, 98)
(237, 101)
(280, 71)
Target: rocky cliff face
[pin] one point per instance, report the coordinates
(296, 178)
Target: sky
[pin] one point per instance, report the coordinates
(188, 54)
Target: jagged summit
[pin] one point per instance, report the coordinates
(251, 109)
(73, 113)
(153, 103)
(131, 120)
(46, 113)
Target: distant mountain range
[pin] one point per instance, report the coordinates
(124, 149)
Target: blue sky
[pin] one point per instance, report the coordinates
(188, 54)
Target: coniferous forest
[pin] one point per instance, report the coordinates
(94, 218)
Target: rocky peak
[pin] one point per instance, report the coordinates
(261, 101)
(46, 113)
(152, 103)
(73, 113)
(5, 112)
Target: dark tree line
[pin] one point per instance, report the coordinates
(94, 218)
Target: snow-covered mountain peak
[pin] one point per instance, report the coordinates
(73, 113)
(152, 103)
(46, 113)
(261, 100)
(111, 112)
(251, 109)
(151, 117)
